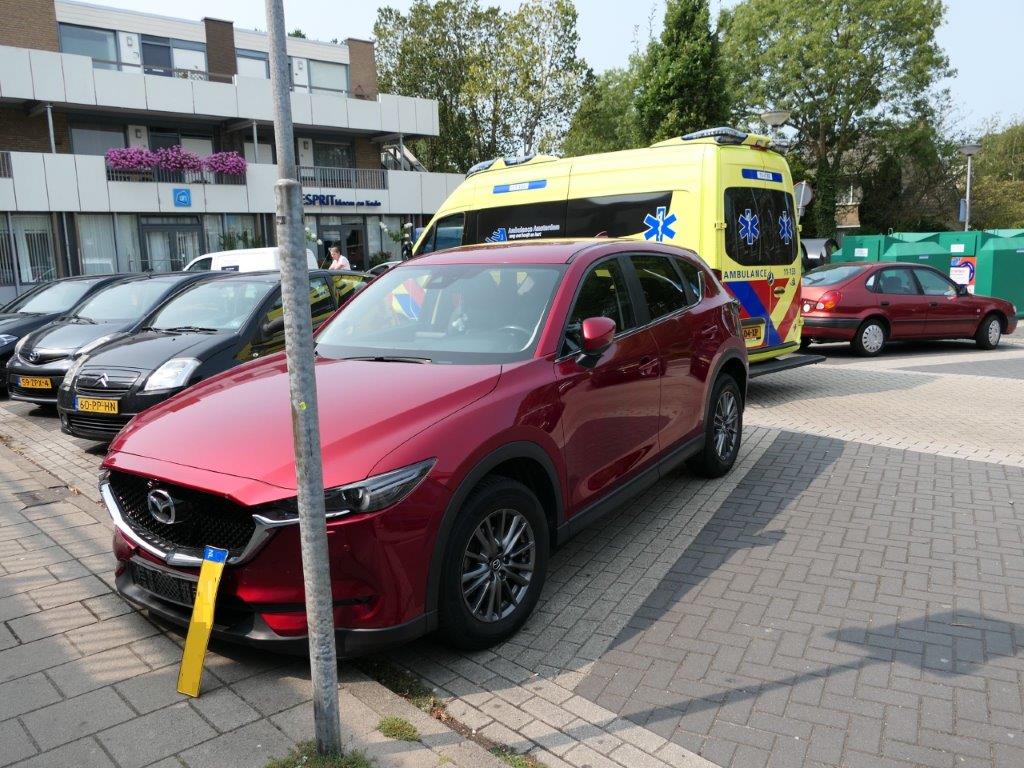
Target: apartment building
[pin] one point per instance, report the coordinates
(77, 80)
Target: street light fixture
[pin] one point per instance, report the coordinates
(970, 150)
(775, 119)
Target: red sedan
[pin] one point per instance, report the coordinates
(870, 304)
(477, 406)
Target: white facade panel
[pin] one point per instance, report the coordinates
(29, 181)
(434, 191)
(254, 98)
(133, 197)
(61, 182)
(7, 200)
(168, 194)
(302, 109)
(452, 181)
(15, 73)
(126, 90)
(130, 47)
(138, 136)
(218, 99)
(363, 115)
(226, 198)
(47, 76)
(404, 187)
(389, 122)
(92, 183)
(409, 119)
(168, 94)
(78, 83)
(259, 183)
(329, 110)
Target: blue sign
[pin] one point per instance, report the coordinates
(520, 187)
(758, 175)
(215, 554)
(786, 228)
(660, 226)
(750, 228)
(500, 235)
(182, 197)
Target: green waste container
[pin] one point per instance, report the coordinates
(917, 248)
(999, 268)
(859, 248)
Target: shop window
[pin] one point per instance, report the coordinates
(96, 247)
(6, 254)
(129, 257)
(34, 243)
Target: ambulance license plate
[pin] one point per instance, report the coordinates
(34, 382)
(753, 335)
(95, 405)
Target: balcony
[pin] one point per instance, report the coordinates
(79, 82)
(38, 182)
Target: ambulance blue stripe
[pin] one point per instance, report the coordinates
(747, 296)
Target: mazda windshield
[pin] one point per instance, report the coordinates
(447, 313)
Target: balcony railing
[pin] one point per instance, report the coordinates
(342, 178)
(5, 165)
(174, 177)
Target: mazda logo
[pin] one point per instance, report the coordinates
(162, 506)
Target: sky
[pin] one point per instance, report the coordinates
(981, 38)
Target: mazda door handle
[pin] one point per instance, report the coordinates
(885, 303)
(649, 366)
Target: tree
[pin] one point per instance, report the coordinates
(505, 83)
(839, 67)
(607, 118)
(997, 195)
(297, 33)
(682, 86)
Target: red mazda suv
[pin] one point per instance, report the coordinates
(478, 406)
(871, 304)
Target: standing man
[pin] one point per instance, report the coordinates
(338, 260)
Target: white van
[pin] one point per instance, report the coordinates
(243, 260)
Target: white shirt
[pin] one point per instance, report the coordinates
(341, 263)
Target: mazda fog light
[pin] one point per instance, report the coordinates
(369, 495)
(171, 375)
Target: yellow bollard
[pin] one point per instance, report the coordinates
(190, 674)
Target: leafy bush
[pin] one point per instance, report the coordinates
(230, 163)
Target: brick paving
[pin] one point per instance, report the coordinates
(846, 597)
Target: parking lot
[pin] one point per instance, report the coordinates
(848, 595)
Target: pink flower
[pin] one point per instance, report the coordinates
(131, 159)
(177, 158)
(228, 163)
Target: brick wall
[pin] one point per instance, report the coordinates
(362, 69)
(21, 133)
(221, 59)
(29, 24)
(367, 154)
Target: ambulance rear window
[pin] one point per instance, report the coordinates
(760, 226)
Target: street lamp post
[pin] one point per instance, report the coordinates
(775, 119)
(970, 150)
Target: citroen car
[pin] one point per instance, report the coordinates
(520, 391)
(42, 357)
(212, 325)
(43, 304)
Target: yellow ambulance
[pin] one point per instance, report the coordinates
(722, 193)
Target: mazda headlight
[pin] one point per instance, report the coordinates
(369, 495)
(97, 343)
(6, 339)
(69, 377)
(171, 375)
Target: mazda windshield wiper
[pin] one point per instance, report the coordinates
(390, 359)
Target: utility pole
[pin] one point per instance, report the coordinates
(298, 335)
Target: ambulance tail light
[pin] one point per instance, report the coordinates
(829, 301)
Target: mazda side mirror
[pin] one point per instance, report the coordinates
(597, 333)
(961, 290)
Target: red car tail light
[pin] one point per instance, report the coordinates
(829, 300)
